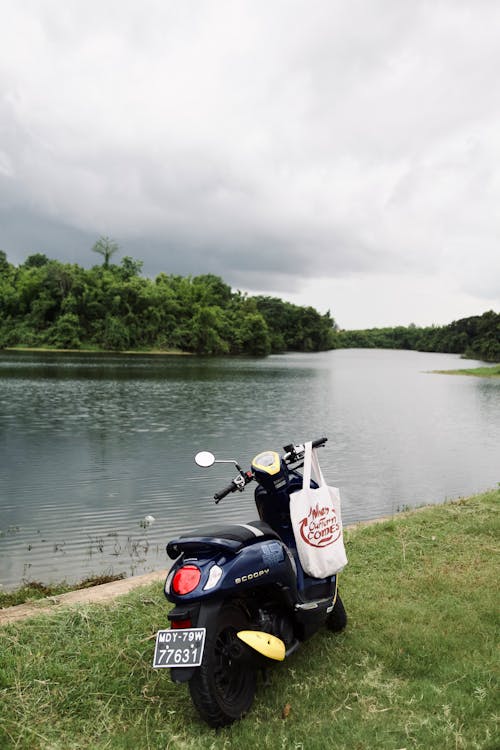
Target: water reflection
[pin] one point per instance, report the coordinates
(91, 444)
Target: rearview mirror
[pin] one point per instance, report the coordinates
(204, 459)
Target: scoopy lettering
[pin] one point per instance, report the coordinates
(320, 528)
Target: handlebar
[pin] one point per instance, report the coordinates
(319, 442)
(222, 493)
(293, 454)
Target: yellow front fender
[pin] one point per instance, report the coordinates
(265, 643)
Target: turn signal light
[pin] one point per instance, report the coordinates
(186, 579)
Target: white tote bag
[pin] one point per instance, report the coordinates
(317, 523)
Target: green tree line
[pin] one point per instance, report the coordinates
(47, 303)
(44, 302)
(476, 337)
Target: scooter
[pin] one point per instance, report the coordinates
(242, 600)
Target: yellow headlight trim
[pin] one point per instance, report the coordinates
(269, 462)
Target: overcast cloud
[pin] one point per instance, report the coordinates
(339, 154)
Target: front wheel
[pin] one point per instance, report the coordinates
(337, 619)
(223, 687)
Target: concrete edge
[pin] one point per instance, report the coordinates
(101, 593)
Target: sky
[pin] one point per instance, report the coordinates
(344, 155)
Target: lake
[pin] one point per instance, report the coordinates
(92, 444)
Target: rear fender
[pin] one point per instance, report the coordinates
(204, 616)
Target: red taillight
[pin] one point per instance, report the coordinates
(178, 624)
(186, 579)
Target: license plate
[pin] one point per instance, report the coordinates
(179, 647)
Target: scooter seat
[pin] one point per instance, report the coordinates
(230, 537)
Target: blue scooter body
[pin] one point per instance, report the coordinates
(241, 598)
(255, 564)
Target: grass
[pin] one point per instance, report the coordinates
(414, 669)
(480, 372)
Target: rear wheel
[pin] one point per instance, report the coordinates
(223, 687)
(337, 619)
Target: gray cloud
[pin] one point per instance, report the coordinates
(270, 143)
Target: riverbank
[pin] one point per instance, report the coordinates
(34, 598)
(32, 606)
(414, 669)
(95, 350)
(480, 372)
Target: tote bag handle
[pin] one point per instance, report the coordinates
(311, 463)
(306, 474)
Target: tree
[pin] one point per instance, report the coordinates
(107, 248)
(113, 306)
(65, 333)
(37, 260)
(253, 334)
(115, 335)
(130, 267)
(4, 263)
(207, 331)
(211, 290)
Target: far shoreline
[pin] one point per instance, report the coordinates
(492, 371)
(488, 371)
(54, 350)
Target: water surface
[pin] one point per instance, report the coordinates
(92, 444)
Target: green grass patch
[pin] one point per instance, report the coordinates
(480, 372)
(414, 669)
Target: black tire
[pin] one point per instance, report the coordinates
(223, 689)
(337, 619)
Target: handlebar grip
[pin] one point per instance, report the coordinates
(319, 441)
(222, 493)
